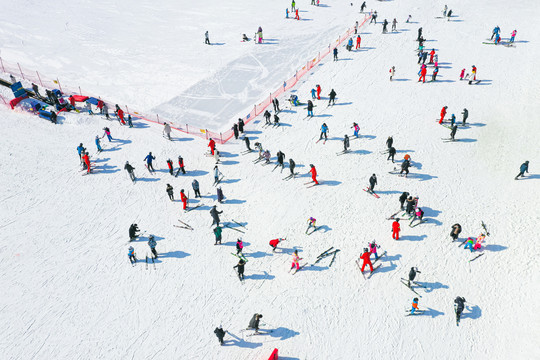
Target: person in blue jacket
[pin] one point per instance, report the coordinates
(152, 244)
(98, 144)
(313, 93)
(350, 44)
(523, 169)
(495, 31)
(335, 54)
(324, 130)
(80, 150)
(149, 159)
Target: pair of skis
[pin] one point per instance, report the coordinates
(371, 273)
(311, 182)
(153, 261)
(343, 152)
(421, 222)
(326, 254)
(369, 191)
(315, 229)
(183, 226)
(406, 283)
(292, 176)
(193, 208)
(216, 182)
(235, 229)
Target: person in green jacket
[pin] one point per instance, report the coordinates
(217, 232)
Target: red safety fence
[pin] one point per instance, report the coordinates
(219, 137)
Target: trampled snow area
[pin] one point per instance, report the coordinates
(69, 289)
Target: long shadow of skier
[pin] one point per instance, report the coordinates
(240, 342)
(474, 312)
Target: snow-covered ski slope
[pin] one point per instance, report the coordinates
(71, 293)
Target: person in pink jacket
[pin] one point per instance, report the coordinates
(296, 261)
(479, 241)
(373, 249)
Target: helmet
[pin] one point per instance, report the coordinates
(415, 299)
(80, 144)
(365, 249)
(127, 162)
(131, 248)
(182, 190)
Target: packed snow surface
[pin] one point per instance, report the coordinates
(70, 291)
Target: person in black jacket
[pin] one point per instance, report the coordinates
(456, 230)
(170, 191)
(215, 215)
(246, 140)
(411, 204)
(391, 153)
(310, 108)
(465, 115)
(372, 182)
(405, 167)
(459, 306)
(389, 142)
(133, 230)
(240, 267)
(275, 102)
(292, 164)
(280, 158)
(254, 322)
(332, 97)
(346, 143)
(235, 131)
(130, 169)
(241, 125)
(267, 116)
(412, 274)
(403, 198)
(453, 132)
(220, 333)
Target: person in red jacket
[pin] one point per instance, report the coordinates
(318, 92)
(297, 17)
(181, 164)
(313, 172)
(443, 114)
(274, 243)
(431, 55)
(170, 165)
(86, 160)
(423, 73)
(184, 199)
(358, 40)
(212, 146)
(395, 229)
(367, 260)
(120, 114)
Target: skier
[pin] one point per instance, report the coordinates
(452, 120)
(313, 94)
(133, 230)
(392, 72)
(445, 10)
(462, 74)
(152, 245)
(389, 142)
(456, 230)
(280, 158)
(313, 172)
(374, 17)
(346, 143)
(266, 156)
(414, 306)
(513, 36)
(235, 131)
(292, 165)
(358, 41)
(319, 92)
(367, 261)
(254, 322)
(275, 102)
(219, 195)
(356, 129)
(395, 229)
(267, 117)
(443, 114)
(431, 54)
(385, 24)
(108, 133)
(53, 117)
(411, 204)
(349, 44)
(394, 23)
(130, 169)
(309, 108)
(149, 159)
(212, 146)
(217, 233)
(98, 144)
(524, 168)
(276, 120)
(215, 215)
(335, 55)
(473, 73)
(362, 7)
(453, 132)
(296, 16)
(216, 175)
(419, 34)
(402, 199)
(246, 141)
(239, 247)
(86, 160)
(324, 130)
(170, 165)
(167, 131)
(241, 124)
(286, 13)
(423, 73)
(355, 28)
(311, 224)
(372, 183)
(435, 72)
(295, 261)
(81, 149)
(170, 191)
(274, 243)
(120, 115)
(405, 167)
(240, 267)
(181, 164)
(106, 111)
(131, 255)
(195, 186)
(206, 38)
(459, 306)
(184, 199)
(220, 333)
(373, 249)
(332, 97)
(418, 213)
(496, 30)
(409, 19)
(260, 35)
(391, 154)
(412, 275)
(449, 15)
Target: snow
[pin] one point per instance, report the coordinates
(70, 291)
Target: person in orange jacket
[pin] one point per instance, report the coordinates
(395, 229)
(367, 260)
(423, 73)
(86, 160)
(212, 146)
(443, 114)
(184, 199)
(313, 172)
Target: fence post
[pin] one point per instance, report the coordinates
(206, 132)
(80, 91)
(221, 137)
(39, 77)
(2, 62)
(255, 109)
(21, 71)
(158, 118)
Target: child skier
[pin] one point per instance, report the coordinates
(184, 199)
(98, 144)
(373, 249)
(220, 333)
(462, 75)
(170, 192)
(456, 230)
(365, 256)
(356, 129)
(523, 169)
(295, 261)
(131, 255)
(395, 229)
(414, 306)
(392, 72)
(311, 223)
(239, 246)
(274, 243)
(443, 114)
(358, 41)
(313, 172)
(319, 92)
